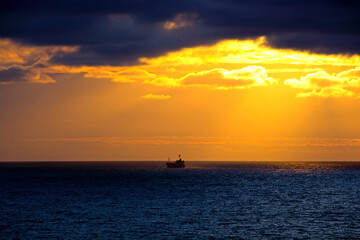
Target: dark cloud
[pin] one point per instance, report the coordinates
(23, 74)
(119, 32)
(323, 43)
(13, 74)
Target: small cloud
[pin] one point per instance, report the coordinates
(241, 78)
(156, 96)
(23, 74)
(220, 78)
(328, 92)
(352, 76)
(179, 21)
(323, 84)
(118, 74)
(22, 63)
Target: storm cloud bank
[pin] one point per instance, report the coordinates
(113, 32)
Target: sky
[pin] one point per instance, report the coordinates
(211, 80)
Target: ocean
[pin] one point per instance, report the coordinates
(206, 200)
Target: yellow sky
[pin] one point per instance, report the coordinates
(234, 100)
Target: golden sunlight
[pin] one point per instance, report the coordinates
(239, 64)
(232, 89)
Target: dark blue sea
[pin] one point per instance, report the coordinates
(206, 200)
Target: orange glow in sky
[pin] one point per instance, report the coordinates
(233, 100)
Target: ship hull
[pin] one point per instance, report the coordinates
(175, 165)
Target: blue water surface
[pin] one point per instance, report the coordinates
(144, 200)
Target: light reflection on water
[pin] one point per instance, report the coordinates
(217, 200)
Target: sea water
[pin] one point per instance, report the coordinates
(206, 200)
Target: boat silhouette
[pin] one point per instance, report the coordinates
(177, 164)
